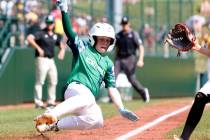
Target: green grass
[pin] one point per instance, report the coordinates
(201, 132)
(19, 122)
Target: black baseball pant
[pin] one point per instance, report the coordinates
(128, 66)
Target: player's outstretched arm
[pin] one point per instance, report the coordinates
(197, 47)
(201, 50)
(116, 98)
(67, 25)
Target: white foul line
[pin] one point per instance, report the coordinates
(151, 124)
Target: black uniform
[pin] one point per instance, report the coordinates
(47, 42)
(127, 48)
(45, 67)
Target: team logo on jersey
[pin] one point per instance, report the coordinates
(55, 37)
(95, 65)
(130, 35)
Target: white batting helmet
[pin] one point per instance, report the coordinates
(101, 29)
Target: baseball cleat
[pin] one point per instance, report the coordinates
(45, 118)
(39, 106)
(147, 96)
(177, 138)
(45, 128)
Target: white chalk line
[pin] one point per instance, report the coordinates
(151, 124)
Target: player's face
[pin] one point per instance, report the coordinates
(126, 27)
(102, 44)
(50, 26)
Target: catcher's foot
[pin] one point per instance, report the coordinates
(45, 118)
(45, 128)
(177, 138)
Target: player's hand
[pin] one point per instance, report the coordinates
(41, 52)
(128, 115)
(62, 4)
(168, 40)
(140, 63)
(61, 54)
(197, 46)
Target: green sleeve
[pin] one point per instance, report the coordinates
(67, 26)
(109, 78)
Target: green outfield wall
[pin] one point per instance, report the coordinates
(164, 77)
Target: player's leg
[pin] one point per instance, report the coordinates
(129, 66)
(52, 82)
(196, 111)
(78, 100)
(77, 97)
(41, 72)
(91, 118)
(194, 115)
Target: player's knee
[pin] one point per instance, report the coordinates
(39, 83)
(95, 123)
(99, 124)
(131, 78)
(200, 97)
(52, 83)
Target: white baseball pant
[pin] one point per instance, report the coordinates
(206, 88)
(45, 67)
(81, 104)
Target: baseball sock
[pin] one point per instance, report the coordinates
(194, 115)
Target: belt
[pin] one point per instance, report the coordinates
(77, 82)
(45, 57)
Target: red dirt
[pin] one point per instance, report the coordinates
(117, 126)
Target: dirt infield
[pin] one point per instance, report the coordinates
(117, 126)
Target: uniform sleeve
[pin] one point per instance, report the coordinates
(74, 42)
(109, 78)
(117, 36)
(38, 35)
(67, 26)
(137, 39)
(58, 41)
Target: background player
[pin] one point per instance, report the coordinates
(44, 42)
(129, 53)
(201, 99)
(90, 67)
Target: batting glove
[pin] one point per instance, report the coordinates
(128, 114)
(63, 5)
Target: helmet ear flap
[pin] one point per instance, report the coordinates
(95, 40)
(112, 41)
(91, 39)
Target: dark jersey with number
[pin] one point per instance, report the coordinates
(47, 42)
(127, 43)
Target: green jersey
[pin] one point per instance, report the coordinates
(89, 67)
